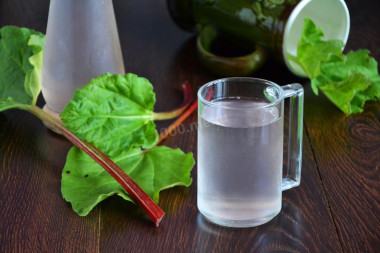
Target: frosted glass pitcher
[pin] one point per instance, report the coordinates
(240, 149)
(82, 42)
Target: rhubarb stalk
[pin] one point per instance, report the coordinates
(187, 99)
(134, 190)
(176, 123)
(148, 205)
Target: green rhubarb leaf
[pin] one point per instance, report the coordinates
(21, 52)
(347, 80)
(312, 49)
(85, 183)
(342, 93)
(350, 81)
(113, 112)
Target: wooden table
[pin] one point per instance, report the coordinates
(335, 209)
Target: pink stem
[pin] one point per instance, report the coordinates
(176, 123)
(187, 99)
(135, 191)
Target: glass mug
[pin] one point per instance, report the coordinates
(240, 149)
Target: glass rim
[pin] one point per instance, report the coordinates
(248, 79)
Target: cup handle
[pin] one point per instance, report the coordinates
(226, 66)
(292, 173)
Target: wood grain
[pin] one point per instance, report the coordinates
(35, 218)
(304, 225)
(347, 149)
(335, 209)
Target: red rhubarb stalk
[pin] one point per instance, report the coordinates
(135, 191)
(176, 123)
(187, 99)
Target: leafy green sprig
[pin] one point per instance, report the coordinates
(111, 123)
(347, 80)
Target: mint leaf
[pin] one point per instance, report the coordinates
(85, 183)
(21, 52)
(347, 80)
(113, 112)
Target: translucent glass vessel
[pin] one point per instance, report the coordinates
(82, 42)
(241, 148)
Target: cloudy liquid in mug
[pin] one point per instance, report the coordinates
(240, 155)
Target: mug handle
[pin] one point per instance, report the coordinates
(292, 173)
(227, 66)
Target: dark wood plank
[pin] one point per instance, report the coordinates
(304, 224)
(335, 209)
(34, 216)
(347, 149)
